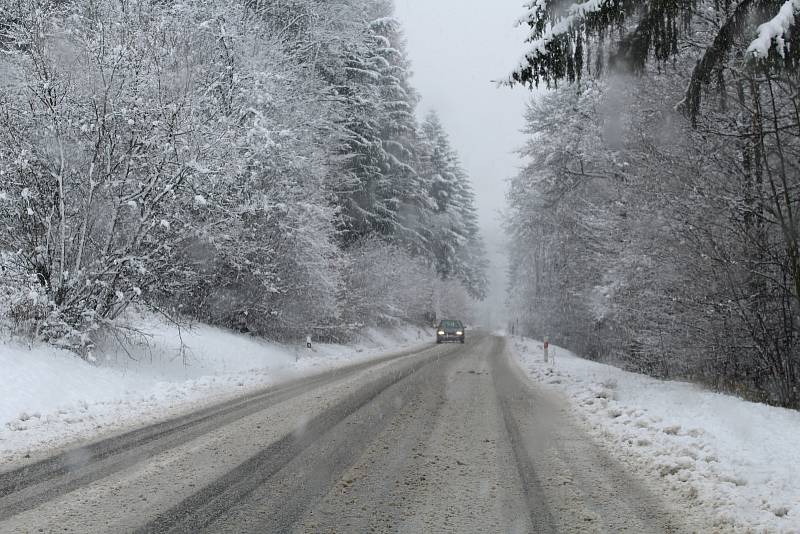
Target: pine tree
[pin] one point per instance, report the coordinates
(455, 243)
(365, 197)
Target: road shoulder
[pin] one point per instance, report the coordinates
(703, 453)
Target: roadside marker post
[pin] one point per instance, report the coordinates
(308, 342)
(546, 347)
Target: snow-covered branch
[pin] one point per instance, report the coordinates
(573, 15)
(772, 32)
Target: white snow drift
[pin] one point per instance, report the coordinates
(729, 460)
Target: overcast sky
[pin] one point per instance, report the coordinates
(457, 48)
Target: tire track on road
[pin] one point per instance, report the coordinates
(444, 464)
(26, 487)
(511, 397)
(228, 503)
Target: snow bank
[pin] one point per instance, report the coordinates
(729, 460)
(50, 397)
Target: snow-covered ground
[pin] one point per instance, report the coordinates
(50, 397)
(734, 462)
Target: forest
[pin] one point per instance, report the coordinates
(252, 164)
(655, 223)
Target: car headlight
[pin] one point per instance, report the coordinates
(459, 333)
(441, 332)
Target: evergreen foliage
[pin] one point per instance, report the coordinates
(454, 241)
(625, 35)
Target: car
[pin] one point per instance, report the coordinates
(450, 330)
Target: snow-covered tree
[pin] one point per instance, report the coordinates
(378, 150)
(700, 279)
(105, 149)
(210, 159)
(454, 241)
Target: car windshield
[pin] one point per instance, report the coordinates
(450, 324)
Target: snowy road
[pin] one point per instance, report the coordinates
(448, 439)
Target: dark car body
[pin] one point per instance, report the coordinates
(450, 330)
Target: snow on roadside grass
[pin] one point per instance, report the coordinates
(735, 462)
(50, 398)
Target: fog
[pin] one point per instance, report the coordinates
(457, 49)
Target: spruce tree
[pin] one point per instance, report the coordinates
(455, 243)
